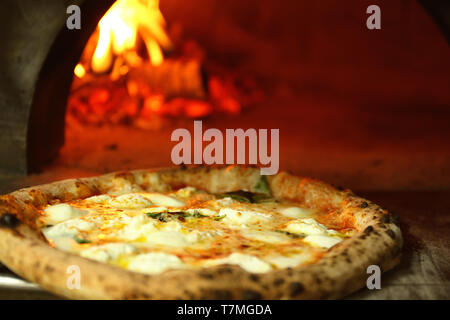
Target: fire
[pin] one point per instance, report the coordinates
(80, 71)
(123, 76)
(120, 28)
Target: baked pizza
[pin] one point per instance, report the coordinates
(196, 233)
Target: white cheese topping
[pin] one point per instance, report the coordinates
(68, 228)
(156, 234)
(108, 252)
(168, 238)
(173, 225)
(130, 201)
(266, 236)
(186, 192)
(154, 263)
(290, 261)
(61, 212)
(243, 217)
(163, 200)
(125, 218)
(138, 227)
(220, 203)
(295, 212)
(305, 226)
(104, 198)
(322, 241)
(196, 236)
(63, 234)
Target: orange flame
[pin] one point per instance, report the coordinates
(119, 30)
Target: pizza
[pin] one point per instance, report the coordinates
(196, 233)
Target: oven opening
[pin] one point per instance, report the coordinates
(140, 77)
(363, 108)
(136, 70)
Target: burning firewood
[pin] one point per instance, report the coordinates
(173, 78)
(123, 76)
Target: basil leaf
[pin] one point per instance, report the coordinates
(169, 216)
(241, 196)
(81, 240)
(260, 198)
(153, 215)
(249, 197)
(197, 214)
(162, 216)
(262, 186)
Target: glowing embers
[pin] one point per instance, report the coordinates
(131, 72)
(80, 71)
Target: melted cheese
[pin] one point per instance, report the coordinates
(68, 228)
(104, 198)
(167, 239)
(108, 252)
(63, 235)
(130, 201)
(154, 263)
(322, 241)
(243, 217)
(295, 212)
(305, 226)
(135, 228)
(223, 203)
(178, 238)
(186, 192)
(60, 213)
(163, 200)
(154, 232)
(290, 261)
(266, 236)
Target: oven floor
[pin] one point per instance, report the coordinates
(424, 272)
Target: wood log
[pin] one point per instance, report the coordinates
(173, 78)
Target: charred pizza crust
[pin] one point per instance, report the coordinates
(341, 271)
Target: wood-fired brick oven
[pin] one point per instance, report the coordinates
(366, 110)
(295, 42)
